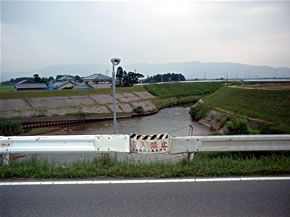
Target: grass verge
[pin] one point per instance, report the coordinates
(6, 93)
(204, 164)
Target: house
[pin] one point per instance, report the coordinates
(30, 86)
(66, 78)
(62, 85)
(98, 81)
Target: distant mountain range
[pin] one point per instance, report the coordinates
(190, 70)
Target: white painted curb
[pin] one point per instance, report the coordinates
(147, 181)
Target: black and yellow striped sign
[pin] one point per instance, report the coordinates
(158, 143)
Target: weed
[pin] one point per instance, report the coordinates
(198, 112)
(138, 109)
(237, 126)
(10, 128)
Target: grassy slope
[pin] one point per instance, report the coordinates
(269, 105)
(183, 89)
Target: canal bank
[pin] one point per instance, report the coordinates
(55, 111)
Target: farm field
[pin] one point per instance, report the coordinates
(270, 86)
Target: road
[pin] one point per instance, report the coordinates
(239, 198)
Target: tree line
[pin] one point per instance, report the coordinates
(37, 79)
(169, 77)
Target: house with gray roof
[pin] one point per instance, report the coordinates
(98, 81)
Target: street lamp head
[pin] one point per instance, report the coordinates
(115, 61)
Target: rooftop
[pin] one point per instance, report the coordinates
(65, 78)
(97, 77)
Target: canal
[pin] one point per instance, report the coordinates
(174, 120)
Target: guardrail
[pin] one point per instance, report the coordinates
(122, 143)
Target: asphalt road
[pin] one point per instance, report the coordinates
(246, 198)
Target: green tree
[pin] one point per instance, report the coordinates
(78, 78)
(36, 78)
(131, 78)
(58, 76)
(120, 75)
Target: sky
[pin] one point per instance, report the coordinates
(35, 34)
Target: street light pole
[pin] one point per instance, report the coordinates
(115, 62)
(114, 101)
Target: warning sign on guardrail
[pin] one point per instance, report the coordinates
(146, 144)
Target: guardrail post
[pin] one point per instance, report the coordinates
(190, 156)
(6, 159)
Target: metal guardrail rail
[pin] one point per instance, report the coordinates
(230, 143)
(75, 143)
(122, 143)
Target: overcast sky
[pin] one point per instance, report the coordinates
(37, 34)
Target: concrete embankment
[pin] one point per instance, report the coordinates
(216, 120)
(34, 112)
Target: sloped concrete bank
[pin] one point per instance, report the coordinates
(49, 111)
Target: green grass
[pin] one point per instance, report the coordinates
(204, 164)
(6, 88)
(6, 93)
(183, 89)
(269, 105)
